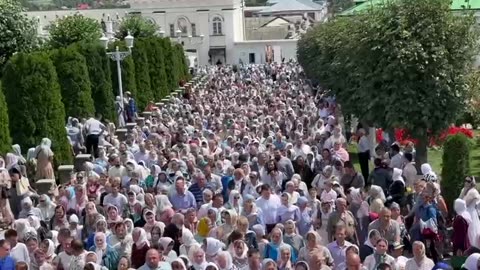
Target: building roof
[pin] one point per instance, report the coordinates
(292, 5)
(456, 5)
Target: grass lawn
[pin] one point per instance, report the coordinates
(435, 157)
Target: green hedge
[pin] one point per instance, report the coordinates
(142, 70)
(34, 103)
(455, 166)
(74, 82)
(98, 65)
(5, 139)
(158, 75)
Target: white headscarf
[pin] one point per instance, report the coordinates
(460, 207)
(428, 173)
(142, 240)
(472, 262)
(213, 246)
(18, 152)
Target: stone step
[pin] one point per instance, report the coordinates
(121, 134)
(80, 159)
(65, 173)
(45, 186)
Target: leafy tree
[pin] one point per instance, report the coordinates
(98, 65)
(35, 104)
(138, 26)
(158, 75)
(142, 70)
(18, 31)
(74, 82)
(402, 64)
(128, 71)
(71, 29)
(5, 139)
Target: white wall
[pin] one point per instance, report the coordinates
(283, 49)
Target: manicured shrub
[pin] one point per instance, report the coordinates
(158, 75)
(455, 166)
(142, 71)
(5, 139)
(98, 65)
(74, 82)
(34, 102)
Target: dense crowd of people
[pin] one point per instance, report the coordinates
(248, 170)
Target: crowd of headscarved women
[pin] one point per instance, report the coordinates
(250, 169)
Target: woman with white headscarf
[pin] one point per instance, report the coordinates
(28, 209)
(212, 247)
(4, 176)
(471, 196)
(139, 248)
(17, 151)
(462, 221)
(47, 207)
(48, 247)
(235, 202)
(196, 255)
(428, 174)
(224, 261)
(419, 260)
(44, 156)
(376, 199)
(188, 241)
(106, 255)
(22, 226)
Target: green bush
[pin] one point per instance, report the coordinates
(5, 139)
(34, 103)
(74, 82)
(455, 166)
(128, 71)
(142, 71)
(98, 65)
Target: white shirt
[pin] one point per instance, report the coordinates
(94, 127)
(363, 144)
(20, 253)
(119, 201)
(426, 264)
(269, 208)
(397, 161)
(410, 174)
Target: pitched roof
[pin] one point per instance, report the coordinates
(456, 5)
(292, 5)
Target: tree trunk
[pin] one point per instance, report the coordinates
(421, 149)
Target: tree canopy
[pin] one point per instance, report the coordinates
(18, 31)
(71, 29)
(402, 64)
(138, 26)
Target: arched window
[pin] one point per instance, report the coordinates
(182, 25)
(217, 26)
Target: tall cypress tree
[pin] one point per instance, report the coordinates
(74, 82)
(5, 139)
(142, 72)
(169, 64)
(158, 75)
(98, 65)
(35, 104)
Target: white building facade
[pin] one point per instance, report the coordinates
(211, 31)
